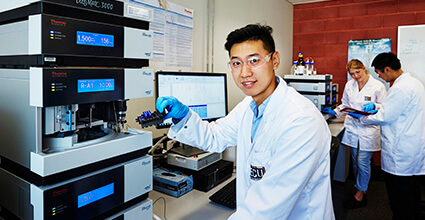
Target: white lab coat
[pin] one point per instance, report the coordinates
(292, 144)
(367, 136)
(402, 120)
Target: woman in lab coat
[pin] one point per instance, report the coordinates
(282, 139)
(362, 139)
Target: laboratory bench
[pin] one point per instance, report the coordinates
(336, 125)
(196, 205)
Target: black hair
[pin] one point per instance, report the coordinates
(383, 60)
(251, 32)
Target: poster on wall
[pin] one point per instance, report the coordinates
(172, 26)
(366, 50)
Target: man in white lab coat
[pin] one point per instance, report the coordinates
(282, 139)
(402, 119)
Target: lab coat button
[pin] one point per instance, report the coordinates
(185, 126)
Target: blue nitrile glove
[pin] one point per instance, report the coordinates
(373, 111)
(328, 110)
(368, 107)
(355, 115)
(175, 108)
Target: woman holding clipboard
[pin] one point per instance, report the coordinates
(362, 139)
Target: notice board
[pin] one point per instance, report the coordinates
(411, 50)
(172, 28)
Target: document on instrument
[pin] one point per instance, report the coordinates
(348, 109)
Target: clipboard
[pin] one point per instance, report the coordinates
(348, 109)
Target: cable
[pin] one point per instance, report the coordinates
(165, 205)
(116, 119)
(153, 148)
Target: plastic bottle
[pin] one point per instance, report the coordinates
(300, 64)
(307, 66)
(294, 68)
(312, 67)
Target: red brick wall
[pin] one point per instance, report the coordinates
(322, 29)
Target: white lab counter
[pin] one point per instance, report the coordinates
(336, 125)
(195, 205)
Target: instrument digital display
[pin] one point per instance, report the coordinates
(95, 39)
(95, 195)
(95, 85)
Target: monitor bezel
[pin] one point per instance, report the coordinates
(196, 74)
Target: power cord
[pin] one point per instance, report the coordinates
(165, 208)
(156, 145)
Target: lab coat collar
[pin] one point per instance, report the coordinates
(403, 75)
(270, 103)
(367, 82)
(275, 98)
(260, 109)
(357, 84)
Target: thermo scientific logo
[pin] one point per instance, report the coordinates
(187, 11)
(59, 192)
(57, 23)
(59, 74)
(94, 3)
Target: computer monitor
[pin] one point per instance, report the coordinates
(204, 93)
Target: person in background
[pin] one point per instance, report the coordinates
(402, 119)
(362, 139)
(283, 142)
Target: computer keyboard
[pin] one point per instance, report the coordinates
(226, 196)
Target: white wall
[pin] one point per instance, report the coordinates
(200, 43)
(213, 21)
(230, 15)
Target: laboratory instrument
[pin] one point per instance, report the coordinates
(67, 72)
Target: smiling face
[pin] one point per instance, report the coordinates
(258, 82)
(359, 75)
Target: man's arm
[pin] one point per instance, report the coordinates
(213, 137)
(390, 110)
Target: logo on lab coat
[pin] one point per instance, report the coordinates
(257, 172)
(368, 98)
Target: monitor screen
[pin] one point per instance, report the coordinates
(204, 93)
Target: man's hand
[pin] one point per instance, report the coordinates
(373, 111)
(355, 115)
(175, 108)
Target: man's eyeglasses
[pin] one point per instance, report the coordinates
(253, 62)
(378, 71)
